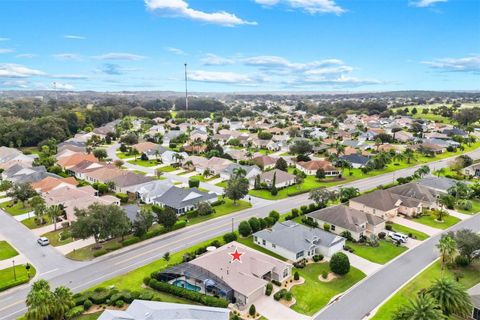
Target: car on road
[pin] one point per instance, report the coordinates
(398, 237)
(43, 241)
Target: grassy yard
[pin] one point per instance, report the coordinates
(122, 155)
(423, 280)
(221, 210)
(385, 252)
(475, 208)
(143, 163)
(90, 316)
(222, 184)
(167, 169)
(429, 220)
(55, 237)
(133, 280)
(314, 294)
(7, 251)
(32, 222)
(201, 178)
(406, 230)
(7, 279)
(249, 243)
(15, 209)
(139, 172)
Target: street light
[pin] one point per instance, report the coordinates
(14, 273)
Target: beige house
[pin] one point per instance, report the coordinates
(282, 178)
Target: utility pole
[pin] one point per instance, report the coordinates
(186, 88)
(55, 91)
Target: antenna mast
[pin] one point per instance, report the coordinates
(186, 88)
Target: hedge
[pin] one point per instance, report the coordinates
(188, 294)
(74, 312)
(122, 196)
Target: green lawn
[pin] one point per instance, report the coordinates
(122, 155)
(7, 251)
(32, 222)
(133, 280)
(470, 277)
(139, 172)
(143, 163)
(385, 252)
(222, 184)
(314, 294)
(221, 210)
(167, 169)
(16, 209)
(475, 208)
(55, 237)
(90, 316)
(7, 279)
(201, 178)
(430, 221)
(406, 230)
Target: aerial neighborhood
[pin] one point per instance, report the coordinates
(271, 210)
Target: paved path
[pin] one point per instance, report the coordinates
(271, 309)
(80, 276)
(362, 264)
(6, 199)
(416, 226)
(458, 215)
(24, 216)
(7, 263)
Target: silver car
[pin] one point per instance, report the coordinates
(43, 241)
(398, 237)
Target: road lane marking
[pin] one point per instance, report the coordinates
(47, 272)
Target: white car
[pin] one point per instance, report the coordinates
(398, 237)
(43, 241)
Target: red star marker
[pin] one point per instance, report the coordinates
(236, 255)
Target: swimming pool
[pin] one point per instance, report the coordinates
(186, 285)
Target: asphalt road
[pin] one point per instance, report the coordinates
(80, 276)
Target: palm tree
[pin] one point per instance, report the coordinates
(409, 155)
(448, 248)
(53, 212)
(451, 297)
(422, 307)
(40, 301)
(239, 172)
(63, 302)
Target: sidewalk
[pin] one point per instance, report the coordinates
(271, 309)
(67, 248)
(7, 263)
(6, 199)
(362, 264)
(458, 215)
(417, 226)
(24, 216)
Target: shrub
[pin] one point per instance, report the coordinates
(326, 227)
(389, 227)
(130, 241)
(229, 237)
(194, 183)
(324, 274)
(124, 296)
(296, 276)
(465, 205)
(347, 235)
(318, 257)
(254, 224)
(252, 311)
(99, 295)
(74, 312)
(100, 252)
(309, 222)
(462, 261)
(268, 289)
(288, 296)
(244, 229)
(87, 304)
(122, 196)
(146, 280)
(300, 264)
(339, 263)
(188, 294)
(218, 203)
(119, 303)
(145, 296)
(277, 283)
(280, 294)
(295, 212)
(304, 209)
(274, 215)
(312, 207)
(382, 235)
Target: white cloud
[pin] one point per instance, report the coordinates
(342, 80)
(211, 59)
(26, 55)
(466, 64)
(120, 56)
(223, 77)
(67, 56)
(180, 8)
(69, 76)
(63, 86)
(74, 37)
(11, 70)
(275, 62)
(21, 84)
(310, 6)
(425, 3)
(5, 50)
(177, 51)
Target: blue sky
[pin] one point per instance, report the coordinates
(240, 45)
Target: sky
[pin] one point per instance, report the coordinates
(240, 45)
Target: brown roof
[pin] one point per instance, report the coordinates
(264, 160)
(145, 146)
(74, 159)
(317, 164)
(280, 176)
(50, 183)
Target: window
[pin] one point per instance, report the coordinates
(273, 245)
(255, 238)
(264, 242)
(300, 254)
(332, 227)
(285, 273)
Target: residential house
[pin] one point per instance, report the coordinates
(183, 200)
(250, 172)
(51, 183)
(241, 282)
(156, 310)
(282, 179)
(149, 191)
(341, 218)
(311, 167)
(295, 241)
(474, 293)
(69, 161)
(265, 162)
(149, 149)
(356, 160)
(472, 170)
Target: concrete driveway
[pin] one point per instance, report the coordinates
(417, 226)
(271, 309)
(362, 264)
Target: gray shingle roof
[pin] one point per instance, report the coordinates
(180, 198)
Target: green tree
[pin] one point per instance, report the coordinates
(22, 192)
(244, 229)
(451, 297)
(167, 217)
(423, 307)
(43, 304)
(448, 249)
(281, 164)
(339, 263)
(322, 196)
(237, 188)
(143, 221)
(100, 154)
(53, 212)
(348, 193)
(63, 302)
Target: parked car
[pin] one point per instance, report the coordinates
(398, 237)
(43, 241)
